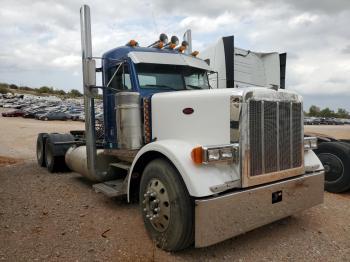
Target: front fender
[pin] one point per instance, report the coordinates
(197, 178)
(312, 162)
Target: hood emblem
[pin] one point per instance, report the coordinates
(188, 110)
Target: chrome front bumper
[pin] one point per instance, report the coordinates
(226, 216)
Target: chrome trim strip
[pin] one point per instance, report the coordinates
(291, 133)
(302, 133)
(262, 139)
(278, 135)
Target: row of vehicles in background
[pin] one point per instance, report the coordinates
(45, 108)
(325, 121)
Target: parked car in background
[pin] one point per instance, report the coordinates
(335, 121)
(346, 121)
(307, 121)
(13, 113)
(32, 105)
(316, 121)
(53, 116)
(74, 114)
(323, 121)
(32, 114)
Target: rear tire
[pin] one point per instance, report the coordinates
(173, 228)
(40, 149)
(53, 163)
(335, 157)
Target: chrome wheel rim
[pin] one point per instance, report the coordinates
(156, 205)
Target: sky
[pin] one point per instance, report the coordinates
(40, 40)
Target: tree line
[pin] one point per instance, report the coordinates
(316, 111)
(10, 88)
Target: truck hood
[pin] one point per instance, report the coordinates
(200, 116)
(209, 124)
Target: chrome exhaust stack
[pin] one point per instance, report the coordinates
(89, 81)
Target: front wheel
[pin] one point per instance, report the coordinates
(167, 208)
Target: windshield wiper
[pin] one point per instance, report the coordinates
(168, 87)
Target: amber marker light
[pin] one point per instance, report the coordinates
(132, 43)
(172, 46)
(194, 53)
(197, 155)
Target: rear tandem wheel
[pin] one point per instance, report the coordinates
(335, 157)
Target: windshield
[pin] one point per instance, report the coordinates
(171, 77)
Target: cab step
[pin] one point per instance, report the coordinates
(122, 165)
(111, 188)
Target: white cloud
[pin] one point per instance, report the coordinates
(43, 36)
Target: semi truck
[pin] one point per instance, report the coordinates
(238, 67)
(204, 164)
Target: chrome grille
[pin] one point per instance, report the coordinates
(275, 136)
(296, 134)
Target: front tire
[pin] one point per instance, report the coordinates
(167, 208)
(335, 157)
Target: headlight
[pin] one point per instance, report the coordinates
(310, 143)
(211, 154)
(226, 153)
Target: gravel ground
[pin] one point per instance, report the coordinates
(58, 217)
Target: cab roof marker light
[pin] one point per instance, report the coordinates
(132, 43)
(182, 47)
(194, 53)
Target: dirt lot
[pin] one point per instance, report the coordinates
(339, 132)
(58, 217)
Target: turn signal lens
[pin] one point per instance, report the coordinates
(197, 155)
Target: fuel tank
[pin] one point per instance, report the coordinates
(76, 160)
